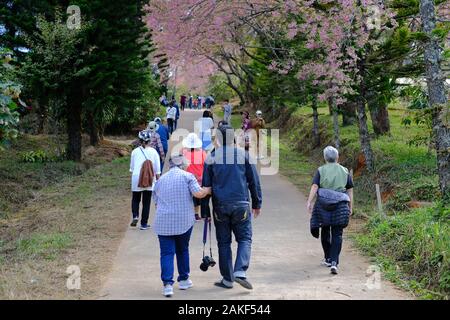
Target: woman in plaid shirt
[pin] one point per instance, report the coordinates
(174, 221)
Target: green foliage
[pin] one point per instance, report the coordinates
(9, 91)
(417, 242)
(40, 156)
(219, 89)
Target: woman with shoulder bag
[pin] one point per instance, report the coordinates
(145, 168)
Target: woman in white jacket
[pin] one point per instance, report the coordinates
(138, 157)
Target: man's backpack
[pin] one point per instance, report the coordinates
(147, 174)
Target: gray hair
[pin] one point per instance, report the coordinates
(178, 161)
(331, 154)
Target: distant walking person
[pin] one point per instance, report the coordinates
(155, 140)
(177, 117)
(258, 124)
(191, 101)
(139, 158)
(183, 99)
(230, 174)
(164, 135)
(227, 110)
(206, 124)
(333, 186)
(171, 115)
(174, 221)
(246, 126)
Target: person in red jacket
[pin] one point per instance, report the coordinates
(196, 157)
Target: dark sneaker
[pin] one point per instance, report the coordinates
(144, 227)
(197, 217)
(134, 222)
(220, 284)
(334, 268)
(244, 282)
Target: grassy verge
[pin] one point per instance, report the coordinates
(77, 220)
(412, 249)
(22, 181)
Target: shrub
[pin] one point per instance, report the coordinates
(40, 156)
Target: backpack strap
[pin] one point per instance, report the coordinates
(142, 150)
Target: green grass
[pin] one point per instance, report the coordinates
(406, 173)
(412, 249)
(20, 181)
(79, 220)
(236, 120)
(47, 246)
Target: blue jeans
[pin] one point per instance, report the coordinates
(331, 237)
(171, 245)
(236, 219)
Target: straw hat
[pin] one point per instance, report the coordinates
(192, 141)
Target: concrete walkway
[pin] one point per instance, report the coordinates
(285, 258)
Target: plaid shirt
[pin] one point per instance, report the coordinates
(174, 206)
(155, 142)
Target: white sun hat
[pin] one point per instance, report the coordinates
(259, 113)
(192, 141)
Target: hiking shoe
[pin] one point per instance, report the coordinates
(144, 227)
(168, 290)
(326, 263)
(334, 268)
(134, 222)
(220, 284)
(244, 282)
(185, 284)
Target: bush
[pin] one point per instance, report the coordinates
(417, 242)
(40, 156)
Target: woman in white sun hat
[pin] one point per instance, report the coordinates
(196, 157)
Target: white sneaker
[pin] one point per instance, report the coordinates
(185, 284)
(168, 290)
(325, 263)
(334, 268)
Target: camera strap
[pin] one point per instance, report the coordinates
(205, 236)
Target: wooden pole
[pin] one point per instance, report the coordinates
(380, 204)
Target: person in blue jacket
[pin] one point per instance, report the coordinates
(164, 134)
(175, 104)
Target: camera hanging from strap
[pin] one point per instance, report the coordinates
(205, 237)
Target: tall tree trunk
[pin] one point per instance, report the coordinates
(94, 134)
(334, 112)
(437, 97)
(316, 133)
(380, 119)
(74, 127)
(348, 113)
(41, 109)
(364, 136)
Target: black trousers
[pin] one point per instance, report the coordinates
(146, 197)
(331, 237)
(170, 125)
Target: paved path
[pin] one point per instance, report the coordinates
(285, 258)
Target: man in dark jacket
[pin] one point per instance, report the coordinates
(231, 175)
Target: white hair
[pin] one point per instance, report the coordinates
(331, 154)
